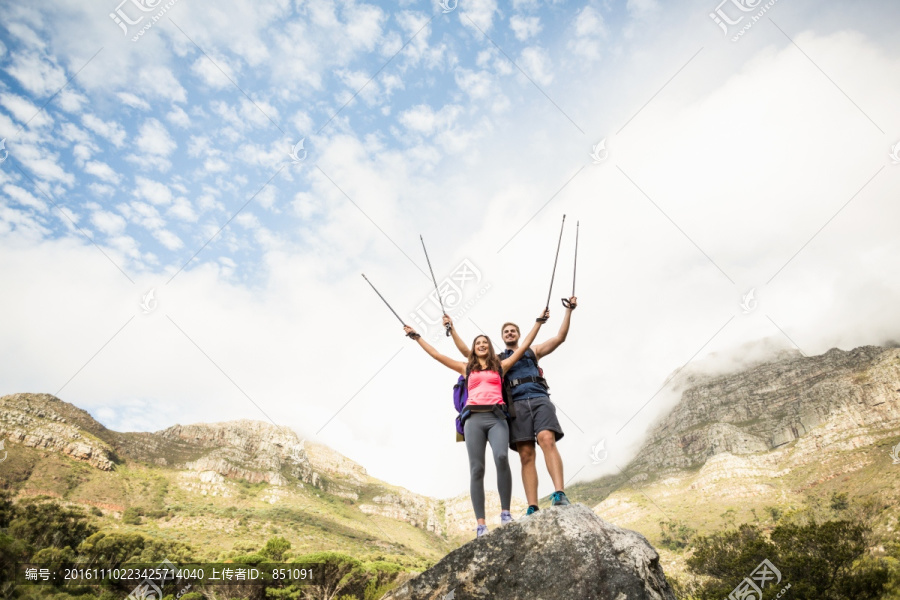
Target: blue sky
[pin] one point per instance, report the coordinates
(172, 263)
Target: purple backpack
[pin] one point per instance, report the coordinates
(460, 396)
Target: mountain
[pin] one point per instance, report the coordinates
(752, 444)
(743, 446)
(223, 487)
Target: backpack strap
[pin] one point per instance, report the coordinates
(530, 378)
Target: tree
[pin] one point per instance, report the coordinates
(276, 548)
(48, 524)
(7, 509)
(825, 561)
(675, 535)
(336, 573)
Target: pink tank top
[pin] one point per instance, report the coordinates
(485, 388)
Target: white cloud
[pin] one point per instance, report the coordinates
(477, 84)
(159, 82)
(181, 209)
(215, 72)
(423, 119)
(639, 8)
(36, 74)
(24, 111)
(590, 33)
(536, 62)
(99, 190)
(25, 198)
(178, 117)
(110, 130)
(525, 27)
(215, 165)
(82, 153)
(481, 13)
(74, 134)
(71, 101)
(108, 222)
(129, 99)
(168, 239)
(154, 139)
(25, 34)
(142, 214)
(267, 197)
(102, 171)
(153, 191)
(43, 163)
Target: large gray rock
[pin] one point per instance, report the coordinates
(558, 553)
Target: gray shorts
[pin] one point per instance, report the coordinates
(533, 416)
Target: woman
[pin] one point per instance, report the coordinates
(487, 421)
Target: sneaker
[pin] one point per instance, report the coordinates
(559, 499)
(532, 509)
(505, 517)
(482, 529)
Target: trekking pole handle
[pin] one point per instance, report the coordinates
(565, 301)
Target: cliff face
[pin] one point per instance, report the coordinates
(771, 405)
(45, 422)
(774, 437)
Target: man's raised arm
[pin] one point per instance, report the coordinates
(545, 348)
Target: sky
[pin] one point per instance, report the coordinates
(190, 191)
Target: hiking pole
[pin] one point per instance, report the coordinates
(436, 291)
(552, 277)
(385, 301)
(565, 301)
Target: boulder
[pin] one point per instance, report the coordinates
(558, 553)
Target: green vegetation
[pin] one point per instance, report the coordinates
(55, 536)
(826, 561)
(675, 535)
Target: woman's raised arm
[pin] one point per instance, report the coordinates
(460, 345)
(506, 363)
(456, 365)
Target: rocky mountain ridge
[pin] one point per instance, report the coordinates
(773, 404)
(209, 459)
(753, 444)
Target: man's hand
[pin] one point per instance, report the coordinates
(573, 303)
(544, 316)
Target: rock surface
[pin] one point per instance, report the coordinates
(558, 553)
(45, 422)
(846, 393)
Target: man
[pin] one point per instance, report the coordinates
(535, 414)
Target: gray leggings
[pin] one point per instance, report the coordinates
(480, 429)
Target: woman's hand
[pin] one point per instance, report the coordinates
(447, 321)
(410, 332)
